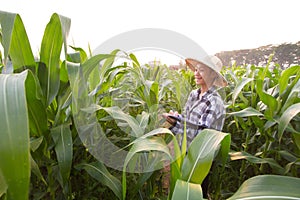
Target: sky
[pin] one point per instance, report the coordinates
(216, 25)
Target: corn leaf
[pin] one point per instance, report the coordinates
(201, 153)
(256, 160)
(268, 187)
(117, 114)
(62, 137)
(36, 106)
(247, 112)
(286, 77)
(36, 170)
(15, 41)
(160, 155)
(240, 85)
(267, 99)
(14, 136)
(187, 191)
(49, 68)
(293, 96)
(286, 117)
(89, 130)
(98, 171)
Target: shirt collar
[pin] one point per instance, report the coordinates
(209, 91)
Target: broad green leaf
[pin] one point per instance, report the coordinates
(36, 170)
(64, 98)
(156, 145)
(36, 108)
(14, 136)
(150, 134)
(89, 130)
(253, 159)
(293, 96)
(79, 53)
(65, 24)
(98, 74)
(89, 65)
(51, 47)
(117, 114)
(268, 187)
(201, 153)
(143, 120)
(239, 87)
(15, 41)
(187, 191)
(62, 138)
(34, 145)
(286, 117)
(286, 76)
(134, 59)
(292, 159)
(63, 72)
(98, 171)
(247, 112)
(179, 155)
(267, 99)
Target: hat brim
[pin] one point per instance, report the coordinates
(193, 63)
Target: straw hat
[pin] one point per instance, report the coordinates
(211, 61)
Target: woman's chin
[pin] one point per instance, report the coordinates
(199, 82)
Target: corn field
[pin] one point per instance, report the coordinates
(79, 126)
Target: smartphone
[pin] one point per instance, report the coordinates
(174, 117)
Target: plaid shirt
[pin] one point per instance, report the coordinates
(200, 113)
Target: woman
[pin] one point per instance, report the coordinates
(204, 107)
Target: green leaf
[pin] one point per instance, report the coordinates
(35, 169)
(293, 96)
(155, 145)
(238, 88)
(256, 160)
(15, 41)
(201, 153)
(34, 145)
(267, 99)
(51, 46)
(117, 114)
(151, 133)
(134, 59)
(268, 187)
(285, 77)
(187, 191)
(89, 130)
(89, 65)
(62, 138)
(247, 112)
(98, 171)
(14, 137)
(286, 117)
(38, 121)
(80, 56)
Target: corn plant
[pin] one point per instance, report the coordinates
(263, 120)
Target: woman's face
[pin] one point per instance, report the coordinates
(204, 75)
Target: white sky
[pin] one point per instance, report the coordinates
(216, 25)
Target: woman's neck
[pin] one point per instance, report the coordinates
(204, 88)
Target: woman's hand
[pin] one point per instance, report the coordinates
(169, 119)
